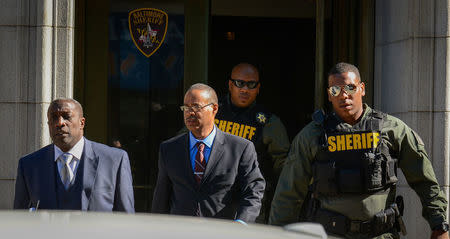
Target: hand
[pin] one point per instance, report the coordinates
(439, 235)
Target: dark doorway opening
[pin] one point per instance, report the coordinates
(283, 49)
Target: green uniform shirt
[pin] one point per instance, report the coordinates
(403, 144)
(275, 137)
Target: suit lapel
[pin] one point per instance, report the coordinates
(89, 173)
(216, 154)
(47, 182)
(186, 156)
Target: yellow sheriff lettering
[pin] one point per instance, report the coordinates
(241, 130)
(246, 131)
(376, 139)
(357, 141)
(228, 129)
(363, 139)
(369, 140)
(252, 133)
(353, 141)
(222, 125)
(340, 141)
(348, 142)
(217, 123)
(331, 144)
(235, 129)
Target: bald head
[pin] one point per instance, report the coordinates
(57, 102)
(245, 69)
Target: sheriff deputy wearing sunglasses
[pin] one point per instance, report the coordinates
(342, 169)
(240, 115)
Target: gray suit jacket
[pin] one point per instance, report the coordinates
(232, 186)
(107, 181)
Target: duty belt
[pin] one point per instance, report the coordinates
(383, 222)
(362, 227)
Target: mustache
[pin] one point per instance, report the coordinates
(191, 118)
(59, 131)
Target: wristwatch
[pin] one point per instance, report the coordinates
(441, 227)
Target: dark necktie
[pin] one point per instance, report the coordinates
(200, 162)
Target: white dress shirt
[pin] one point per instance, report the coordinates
(76, 151)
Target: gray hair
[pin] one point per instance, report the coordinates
(208, 89)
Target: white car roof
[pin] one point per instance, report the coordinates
(86, 225)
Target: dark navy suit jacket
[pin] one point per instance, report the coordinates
(232, 186)
(107, 181)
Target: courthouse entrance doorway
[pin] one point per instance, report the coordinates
(132, 101)
(283, 51)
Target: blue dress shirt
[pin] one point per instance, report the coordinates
(208, 141)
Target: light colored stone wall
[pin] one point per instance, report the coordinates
(36, 58)
(412, 82)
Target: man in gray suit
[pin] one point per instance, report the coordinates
(73, 173)
(207, 172)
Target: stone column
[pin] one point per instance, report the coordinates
(36, 46)
(412, 79)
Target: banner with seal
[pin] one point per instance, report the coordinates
(148, 28)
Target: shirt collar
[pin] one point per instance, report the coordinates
(76, 150)
(208, 141)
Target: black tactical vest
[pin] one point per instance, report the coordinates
(353, 160)
(247, 123)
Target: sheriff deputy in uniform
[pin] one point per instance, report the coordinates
(347, 160)
(239, 114)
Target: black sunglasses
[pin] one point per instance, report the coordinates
(241, 83)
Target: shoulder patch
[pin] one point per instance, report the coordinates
(261, 117)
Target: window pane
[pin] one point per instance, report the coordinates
(144, 92)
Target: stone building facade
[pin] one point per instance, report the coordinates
(411, 80)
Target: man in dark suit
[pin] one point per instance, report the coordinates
(207, 172)
(73, 173)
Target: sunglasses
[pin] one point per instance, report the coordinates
(241, 83)
(335, 90)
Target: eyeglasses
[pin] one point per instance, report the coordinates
(241, 83)
(194, 108)
(335, 90)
